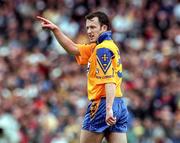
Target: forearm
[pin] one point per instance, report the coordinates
(65, 42)
(110, 89)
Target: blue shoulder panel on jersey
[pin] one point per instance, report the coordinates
(104, 58)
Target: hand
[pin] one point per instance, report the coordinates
(110, 120)
(47, 24)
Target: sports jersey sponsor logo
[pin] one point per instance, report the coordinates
(104, 77)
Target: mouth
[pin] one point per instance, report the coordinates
(91, 37)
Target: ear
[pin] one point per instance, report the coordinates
(104, 27)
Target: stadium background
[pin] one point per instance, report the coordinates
(43, 90)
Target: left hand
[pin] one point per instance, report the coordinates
(110, 119)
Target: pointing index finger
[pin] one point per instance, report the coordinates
(42, 19)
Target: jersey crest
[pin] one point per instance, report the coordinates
(104, 58)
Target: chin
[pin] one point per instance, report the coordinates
(92, 41)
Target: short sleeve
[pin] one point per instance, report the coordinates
(104, 66)
(85, 53)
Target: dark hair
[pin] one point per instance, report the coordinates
(103, 18)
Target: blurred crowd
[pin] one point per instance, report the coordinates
(43, 93)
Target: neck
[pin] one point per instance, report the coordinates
(107, 35)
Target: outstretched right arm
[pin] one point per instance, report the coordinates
(65, 41)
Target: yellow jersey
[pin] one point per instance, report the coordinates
(103, 65)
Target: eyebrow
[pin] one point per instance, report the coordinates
(91, 19)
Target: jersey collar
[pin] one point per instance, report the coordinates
(104, 36)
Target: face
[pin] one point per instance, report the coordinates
(94, 29)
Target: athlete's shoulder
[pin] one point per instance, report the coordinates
(89, 45)
(107, 43)
(110, 45)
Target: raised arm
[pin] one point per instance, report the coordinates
(65, 41)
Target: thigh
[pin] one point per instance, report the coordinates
(121, 114)
(94, 120)
(90, 137)
(115, 137)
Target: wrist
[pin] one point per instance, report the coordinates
(55, 29)
(108, 107)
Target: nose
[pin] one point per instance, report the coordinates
(88, 30)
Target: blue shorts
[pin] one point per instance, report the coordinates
(95, 116)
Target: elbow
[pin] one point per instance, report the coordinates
(74, 50)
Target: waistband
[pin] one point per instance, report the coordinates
(103, 98)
